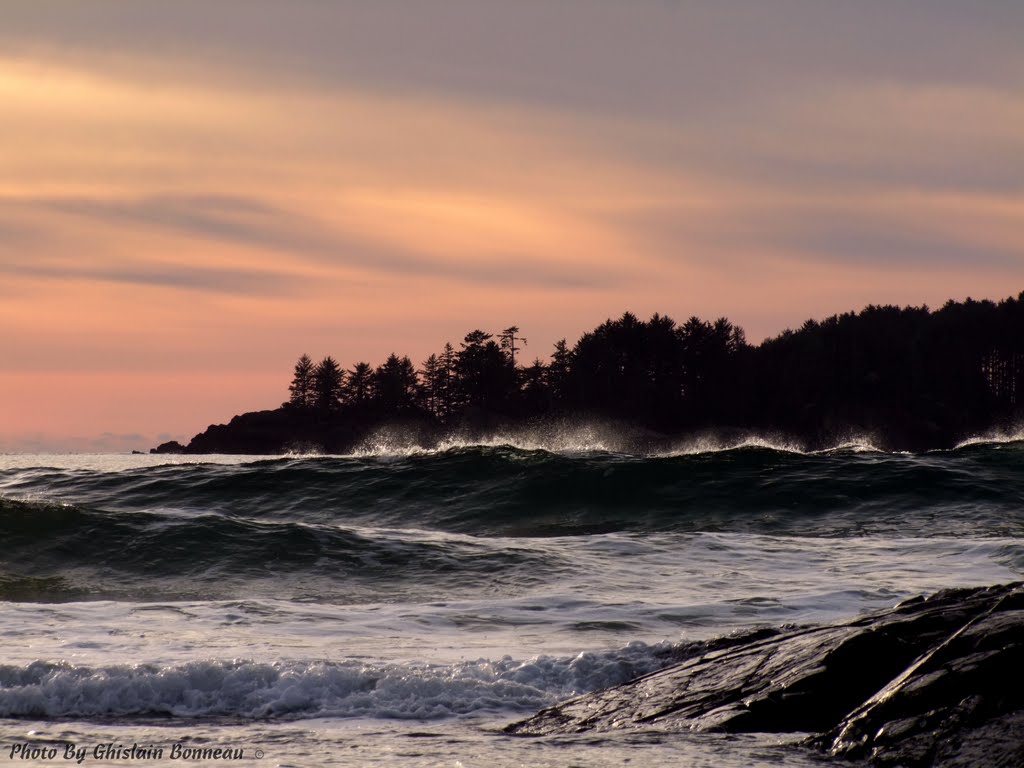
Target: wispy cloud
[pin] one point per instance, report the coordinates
(857, 230)
(213, 188)
(226, 217)
(298, 239)
(244, 282)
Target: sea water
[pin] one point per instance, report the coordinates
(400, 606)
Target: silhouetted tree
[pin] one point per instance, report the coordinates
(431, 394)
(922, 377)
(329, 381)
(395, 385)
(446, 374)
(558, 373)
(508, 343)
(485, 377)
(665, 363)
(302, 387)
(537, 399)
(359, 385)
(609, 372)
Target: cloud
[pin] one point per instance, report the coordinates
(210, 188)
(226, 217)
(253, 224)
(859, 230)
(241, 282)
(43, 223)
(880, 244)
(662, 58)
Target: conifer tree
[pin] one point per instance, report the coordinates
(302, 386)
(359, 385)
(447, 380)
(395, 385)
(329, 380)
(558, 371)
(508, 343)
(430, 392)
(483, 371)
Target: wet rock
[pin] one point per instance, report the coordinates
(961, 703)
(933, 681)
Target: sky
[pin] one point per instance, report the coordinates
(193, 194)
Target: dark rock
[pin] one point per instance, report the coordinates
(957, 704)
(259, 432)
(171, 446)
(302, 430)
(933, 681)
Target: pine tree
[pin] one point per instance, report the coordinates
(485, 377)
(558, 371)
(359, 387)
(302, 386)
(395, 384)
(430, 392)
(329, 381)
(447, 381)
(508, 343)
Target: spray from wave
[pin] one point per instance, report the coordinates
(594, 438)
(561, 439)
(995, 437)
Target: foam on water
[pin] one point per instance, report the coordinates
(253, 595)
(254, 690)
(566, 438)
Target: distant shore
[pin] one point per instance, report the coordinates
(903, 378)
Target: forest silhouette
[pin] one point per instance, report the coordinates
(910, 377)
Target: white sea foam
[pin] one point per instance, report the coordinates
(854, 443)
(249, 689)
(577, 439)
(714, 444)
(563, 439)
(995, 437)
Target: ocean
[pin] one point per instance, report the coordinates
(400, 606)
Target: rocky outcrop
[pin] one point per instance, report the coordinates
(931, 682)
(171, 446)
(293, 430)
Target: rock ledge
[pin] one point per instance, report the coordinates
(935, 681)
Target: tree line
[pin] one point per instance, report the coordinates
(925, 375)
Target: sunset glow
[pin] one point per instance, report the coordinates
(188, 201)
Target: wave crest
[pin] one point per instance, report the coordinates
(995, 437)
(293, 690)
(595, 438)
(560, 439)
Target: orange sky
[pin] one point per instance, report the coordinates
(189, 201)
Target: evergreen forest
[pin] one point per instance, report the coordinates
(910, 377)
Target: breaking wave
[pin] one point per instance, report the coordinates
(292, 690)
(994, 437)
(456, 515)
